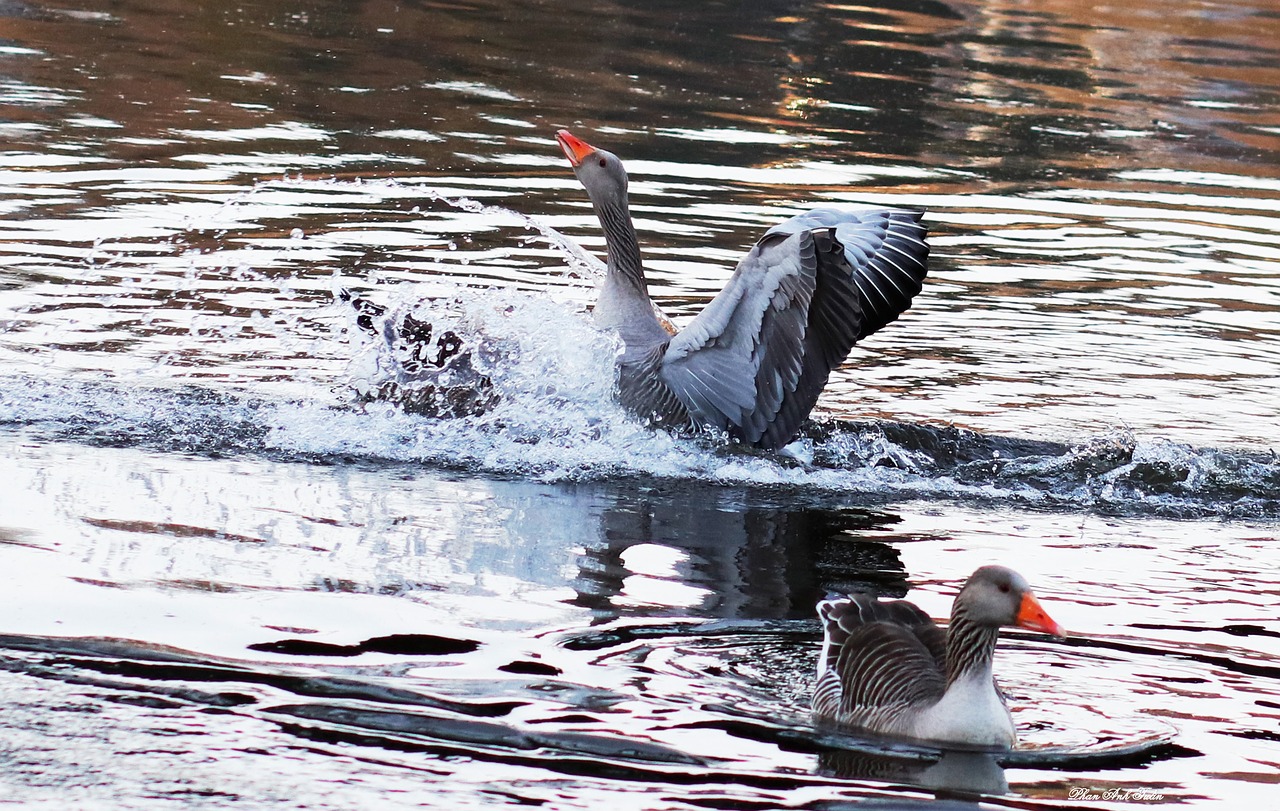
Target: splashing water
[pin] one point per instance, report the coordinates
(551, 376)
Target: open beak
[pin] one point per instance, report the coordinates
(575, 149)
(1034, 618)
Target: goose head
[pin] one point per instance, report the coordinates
(996, 596)
(600, 172)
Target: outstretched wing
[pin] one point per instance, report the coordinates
(878, 658)
(754, 361)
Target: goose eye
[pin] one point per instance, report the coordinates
(1004, 588)
(604, 162)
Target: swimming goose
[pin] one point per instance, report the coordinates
(886, 667)
(753, 362)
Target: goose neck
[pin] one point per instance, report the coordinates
(621, 244)
(970, 646)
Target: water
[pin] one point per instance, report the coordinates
(227, 583)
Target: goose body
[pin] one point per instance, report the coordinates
(752, 364)
(886, 667)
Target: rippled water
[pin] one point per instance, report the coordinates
(226, 582)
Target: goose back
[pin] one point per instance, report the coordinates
(881, 662)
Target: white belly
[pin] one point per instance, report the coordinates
(970, 713)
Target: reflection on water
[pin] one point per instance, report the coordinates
(403, 611)
(953, 772)
(552, 605)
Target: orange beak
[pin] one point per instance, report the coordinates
(575, 149)
(1034, 618)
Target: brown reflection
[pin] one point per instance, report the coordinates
(178, 76)
(999, 85)
(169, 529)
(1137, 83)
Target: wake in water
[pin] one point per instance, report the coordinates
(539, 377)
(1118, 471)
(551, 415)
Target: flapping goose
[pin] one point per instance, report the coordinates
(753, 362)
(886, 667)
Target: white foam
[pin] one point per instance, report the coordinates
(556, 420)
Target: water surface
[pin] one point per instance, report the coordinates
(227, 583)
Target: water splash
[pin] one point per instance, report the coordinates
(578, 258)
(557, 421)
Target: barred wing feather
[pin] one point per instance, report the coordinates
(879, 659)
(755, 360)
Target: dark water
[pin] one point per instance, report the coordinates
(227, 584)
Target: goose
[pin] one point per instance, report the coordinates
(887, 668)
(752, 364)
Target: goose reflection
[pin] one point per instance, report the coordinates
(729, 553)
(950, 771)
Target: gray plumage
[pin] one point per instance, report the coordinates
(879, 660)
(754, 361)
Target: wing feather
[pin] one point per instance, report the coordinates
(755, 360)
(732, 365)
(879, 659)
